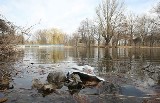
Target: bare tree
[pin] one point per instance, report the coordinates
(87, 30)
(95, 33)
(75, 39)
(157, 9)
(109, 14)
(131, 22)
(41, 36)
(121, 32)
(143, 27)
(7, 36)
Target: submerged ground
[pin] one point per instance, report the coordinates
(131, 75)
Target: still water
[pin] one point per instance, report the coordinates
(129, 72)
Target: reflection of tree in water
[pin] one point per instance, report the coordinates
(84, 55)
(57, 56)
(131, 62)
(106, 63)
(140, 65)
(51, 55)
(42, 55)
(114, 60)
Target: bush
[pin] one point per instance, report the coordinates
(8, 39)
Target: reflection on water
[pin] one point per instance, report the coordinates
(44, 55)
(141, 64)
(117, 65)
(135, 61)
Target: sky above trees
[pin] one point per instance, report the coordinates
(63, 14)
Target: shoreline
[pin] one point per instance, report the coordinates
(41, 46)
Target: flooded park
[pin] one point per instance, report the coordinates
(131, 75)
(79, 51)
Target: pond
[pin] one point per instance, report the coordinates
(132, 75)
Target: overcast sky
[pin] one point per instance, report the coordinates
(63, 14)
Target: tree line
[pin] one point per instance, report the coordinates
(111, 27)
(49, 36)
(114, 27)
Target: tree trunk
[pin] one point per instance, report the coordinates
(107, 40)
(98, 43)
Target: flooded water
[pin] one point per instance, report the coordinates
(132, 75)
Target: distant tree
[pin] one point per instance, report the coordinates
(86, 31)
(131, 22)
(121, 32)
(55, 36)
(41, 36)
(50, 36)
(75, 39)
(83, 31)
(67, 39)
(96, 33)
(143, 27)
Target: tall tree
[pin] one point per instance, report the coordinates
(110, 15)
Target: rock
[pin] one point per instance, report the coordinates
(36, 83)
(56, 78)
(44, 88)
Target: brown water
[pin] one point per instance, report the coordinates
(132, 74)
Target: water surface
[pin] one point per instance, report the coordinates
(129, 73)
